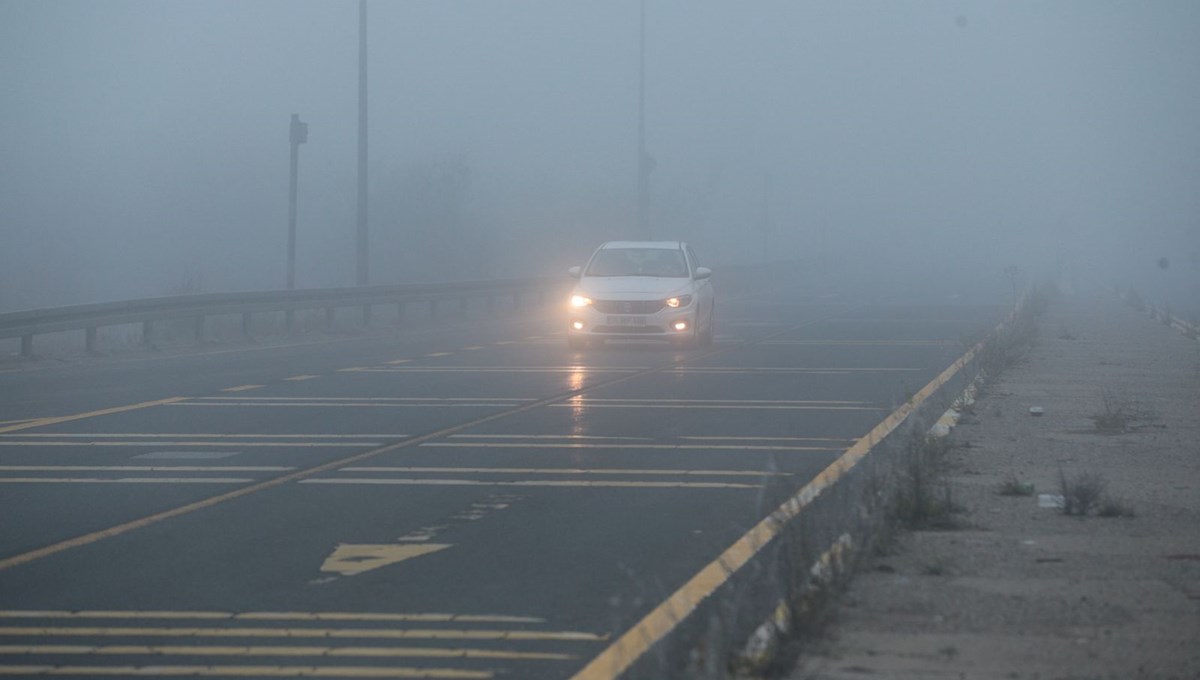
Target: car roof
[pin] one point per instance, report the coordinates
(665, 245)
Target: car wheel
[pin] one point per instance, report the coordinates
(576, 343)
(706, 339)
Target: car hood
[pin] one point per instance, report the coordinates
(632, 287)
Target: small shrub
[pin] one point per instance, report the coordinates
(1081, 494)
(1119, 413)
(1114, 507)
(1012, 486)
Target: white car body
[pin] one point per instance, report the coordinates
(641, 290)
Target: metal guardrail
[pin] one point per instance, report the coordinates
(26, 324)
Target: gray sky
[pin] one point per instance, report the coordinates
(144, 143)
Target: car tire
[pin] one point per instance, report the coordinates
(576, 343)
(706, 338)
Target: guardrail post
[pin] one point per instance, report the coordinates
(366, 316)
(27, 345)
(246, 330)
(330, 314)
(289, 321)
(147, 332)
(89, 339)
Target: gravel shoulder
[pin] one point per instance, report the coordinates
(1026, 591)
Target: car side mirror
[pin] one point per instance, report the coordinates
(703, 273)
(575, 272)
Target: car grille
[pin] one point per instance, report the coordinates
(627, 306)
(628, 330)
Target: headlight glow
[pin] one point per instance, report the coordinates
(681, 301)
(580, 301)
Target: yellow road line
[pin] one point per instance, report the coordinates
(251, 671)
(290, 651)
(298, 378)
(242, 388)
(42, 422)
(267, 616)
(140, 468)
(126, 480)
(368, 481)
(638, 640)
(327, 633)
(663, 447)
(573, 471)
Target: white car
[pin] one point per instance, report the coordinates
(643, 290)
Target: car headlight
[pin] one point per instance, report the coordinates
(580, 301)
(681, 301)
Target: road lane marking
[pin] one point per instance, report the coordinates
(291, 404)
(126, 480)
(661, 447)
(188, 508)
(42, 422)
(369, 481)
(586, 403)
(200, 435)
(365, 399)
(298, 378)
(635, 642)
(140, 468)
(571, 471)
(351, 560)
(683, 370)
(865, 343)
(198, 443)
(327, 633)
(439, 354)
(251, 671)
(16, 422)
(268, 616)
(242, 388)
(398, 361)
(292, 651)
(472, 348)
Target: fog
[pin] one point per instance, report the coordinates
(144, 144)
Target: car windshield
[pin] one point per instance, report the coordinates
(659, 262)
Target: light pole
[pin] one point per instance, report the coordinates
(298, 134)
(362, 275)
(645, 163)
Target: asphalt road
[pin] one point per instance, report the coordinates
(460, 500)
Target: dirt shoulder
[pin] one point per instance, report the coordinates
(1027, 591)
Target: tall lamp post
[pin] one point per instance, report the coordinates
(298, 134)
(362, 275)
(645, 164)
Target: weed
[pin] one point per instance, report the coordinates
(1013, 486)
(1114, 507)
(1080, 494)
(1119, 413)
